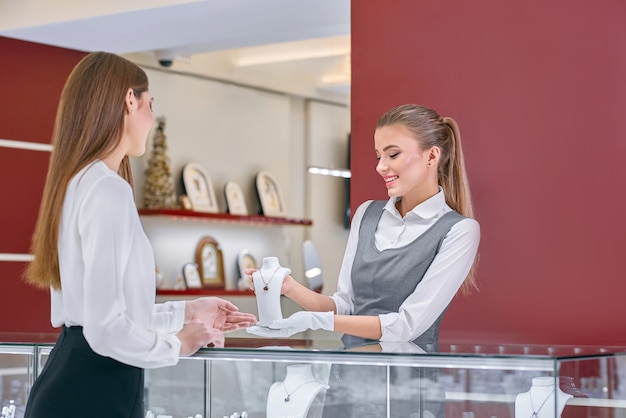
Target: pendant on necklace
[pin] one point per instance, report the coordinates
(287, 398)
(266, 288)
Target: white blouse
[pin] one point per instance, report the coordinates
(108, 274)
(442, 279)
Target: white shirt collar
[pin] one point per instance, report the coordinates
(429, 208)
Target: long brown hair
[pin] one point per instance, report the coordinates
(89, 126)
(432, 130)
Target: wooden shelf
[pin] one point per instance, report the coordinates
(204, 292)
(191, 215)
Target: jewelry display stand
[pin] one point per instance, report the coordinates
(538, 402)
(268, 281)
(294, 397)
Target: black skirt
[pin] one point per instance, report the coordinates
(78, 383)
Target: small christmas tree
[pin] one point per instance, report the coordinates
(158, 188)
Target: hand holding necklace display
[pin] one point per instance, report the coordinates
(268, 281)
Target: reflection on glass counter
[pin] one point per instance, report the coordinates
(312, 378)
(16, 373)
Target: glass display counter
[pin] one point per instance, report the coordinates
(258, 377)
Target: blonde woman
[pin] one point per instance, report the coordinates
(405, 259)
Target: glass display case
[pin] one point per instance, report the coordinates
(258, 377)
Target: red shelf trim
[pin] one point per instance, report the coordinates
(225, 217)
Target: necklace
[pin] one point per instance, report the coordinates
(267, 284)
(288, 398)
(536, 413)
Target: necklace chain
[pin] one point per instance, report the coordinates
(288, 398)
(267, 284)
(536, 413)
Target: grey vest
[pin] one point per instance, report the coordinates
(382, 280)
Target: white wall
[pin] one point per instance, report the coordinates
(327, 146)
(235, 131)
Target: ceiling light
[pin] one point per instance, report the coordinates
(335, 172)
(294, 51)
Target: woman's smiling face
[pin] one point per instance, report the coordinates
(402, 163)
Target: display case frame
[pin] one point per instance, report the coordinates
(464, 380)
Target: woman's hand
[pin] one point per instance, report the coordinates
(217, 313)
(248, 275)
(196, 335)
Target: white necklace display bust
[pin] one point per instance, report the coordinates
(268, 281)
(293, 397)
(539, 401)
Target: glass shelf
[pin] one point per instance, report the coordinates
(184, 214)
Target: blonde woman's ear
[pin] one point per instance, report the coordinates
(433, 155)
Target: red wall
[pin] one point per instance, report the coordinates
(31, 79)
(539, 91)
(537, 88)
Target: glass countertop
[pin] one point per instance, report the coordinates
(445, 348)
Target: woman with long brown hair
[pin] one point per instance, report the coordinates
(90, 250)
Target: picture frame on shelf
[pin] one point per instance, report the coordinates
(270, 195)
(192, 276)
(210, 262)
(180, 284)
(235, 202)
(159, 278)
(185, 202)
(199, 188)
(245, 260)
